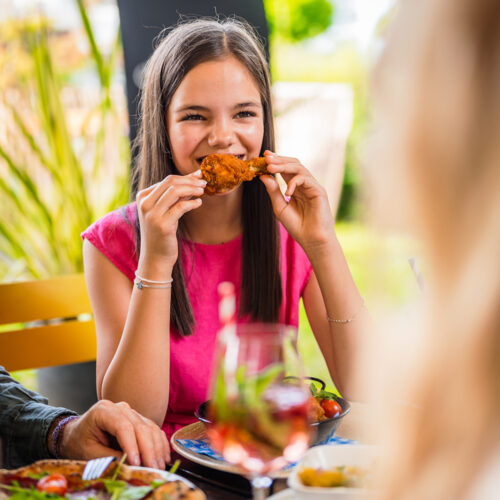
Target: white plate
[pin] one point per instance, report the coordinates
(329, 456)
(287, 494)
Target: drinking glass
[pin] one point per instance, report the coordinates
(259, 419)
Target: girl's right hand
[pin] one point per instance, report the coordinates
(160, 207)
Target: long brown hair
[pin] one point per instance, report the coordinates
(437, 91)
(184, 47)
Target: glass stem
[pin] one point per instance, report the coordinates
(260, 487)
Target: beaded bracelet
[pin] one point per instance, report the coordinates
(58, 432)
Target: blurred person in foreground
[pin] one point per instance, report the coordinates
(436, 155)
(32, 430)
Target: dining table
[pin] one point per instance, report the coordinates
(219, 485)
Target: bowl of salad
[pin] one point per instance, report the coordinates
(326, 410)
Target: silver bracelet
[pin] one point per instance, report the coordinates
(348, 320)
(140, 284)
(140, 278)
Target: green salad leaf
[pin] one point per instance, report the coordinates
(314, 390)
(19, 493)
(134, 492)
(326, 395)
(174, 467)
(114, 487)
(119, 467)
(121, 490)
(157, 482)
(37, 476)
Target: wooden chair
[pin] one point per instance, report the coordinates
(46, 323)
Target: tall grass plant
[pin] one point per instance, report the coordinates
(64, 150)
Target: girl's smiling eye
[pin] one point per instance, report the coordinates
(245, 114)
(192, 116)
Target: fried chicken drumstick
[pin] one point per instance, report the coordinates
(223, 172)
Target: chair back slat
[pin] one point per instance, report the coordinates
(53, 345)
(61, 297)
(58, 342)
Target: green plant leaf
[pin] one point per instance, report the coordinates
(40, 233)
(96, 53)
(28, 184)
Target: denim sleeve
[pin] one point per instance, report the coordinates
(25, 419)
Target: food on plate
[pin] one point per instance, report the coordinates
(55, 479)
(223, 172)
(347, 476)
(176, 490)
(323, 405)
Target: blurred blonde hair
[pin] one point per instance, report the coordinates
(436, 157)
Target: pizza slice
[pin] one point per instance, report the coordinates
(56, 479)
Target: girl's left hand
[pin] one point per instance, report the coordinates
(306, 215)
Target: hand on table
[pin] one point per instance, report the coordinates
(306, 215)
(97, 431)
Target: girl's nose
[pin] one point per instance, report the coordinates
(221, 135)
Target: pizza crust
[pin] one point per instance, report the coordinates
(51, 466)
(176, 490)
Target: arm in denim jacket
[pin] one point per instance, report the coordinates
(25, 420)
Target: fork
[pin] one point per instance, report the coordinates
(96, 467)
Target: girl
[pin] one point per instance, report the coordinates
(207, 90)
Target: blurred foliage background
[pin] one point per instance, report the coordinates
(64, 151)
(292, 21)
(64, 148)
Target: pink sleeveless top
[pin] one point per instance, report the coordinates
(204, 266)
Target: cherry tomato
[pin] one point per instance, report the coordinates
(53, 483)
(331, 407)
